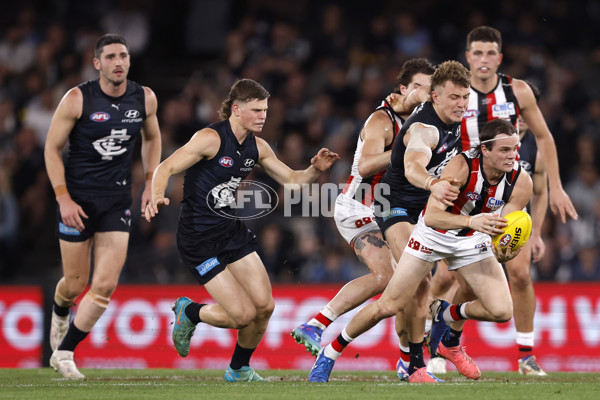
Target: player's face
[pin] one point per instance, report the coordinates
(484, 58)
(253, 114)
(418, 81)
(503, 153)
(450, 101)
(113, 63)
(522, 125)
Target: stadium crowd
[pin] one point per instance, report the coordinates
(327, 66)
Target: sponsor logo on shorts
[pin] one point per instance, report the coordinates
(226, 162)
(426, 250)
(100, 116)
(395, 212)
(67, 230)
(473, 196)
(207, 265)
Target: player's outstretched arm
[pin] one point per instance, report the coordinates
(284, 175)
(560, 203)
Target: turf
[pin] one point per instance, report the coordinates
(286, 384)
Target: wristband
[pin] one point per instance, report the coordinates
(59, 190)
(149, 176)
(428, 182)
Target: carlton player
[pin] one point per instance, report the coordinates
(101, 119)
(216, 246)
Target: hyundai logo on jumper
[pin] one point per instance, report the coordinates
(237, 199)
(314, 200)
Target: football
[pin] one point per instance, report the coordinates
(516, 233)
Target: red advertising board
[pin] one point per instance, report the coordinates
(21, 326)
(135, 332)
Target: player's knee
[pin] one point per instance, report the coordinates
(243, 318)
(381, 280)
(386, 309)
(501, 312)
(265, 311)
(105, 288)
(519, 279)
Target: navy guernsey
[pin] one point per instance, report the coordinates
(528, 152)
(210, 186)
(449, 145)
(102, 141)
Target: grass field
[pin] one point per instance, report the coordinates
(209, 384)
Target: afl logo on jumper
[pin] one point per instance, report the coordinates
(473, 196)
(100, 116)
(442, 148)
(471, 113)
(226, 162)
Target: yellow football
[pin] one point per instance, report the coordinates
(516, 233)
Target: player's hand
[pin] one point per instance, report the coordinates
(506, 254)
(538, 248)
(445, 190)
(491, 224)
(71, 212)
(561, 204)
(146, 195)
(157, 202)
(396, 101)
(324, 159)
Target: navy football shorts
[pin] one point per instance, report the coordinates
(207, 255)
(106, 213)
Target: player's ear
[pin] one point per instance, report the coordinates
(96, 64)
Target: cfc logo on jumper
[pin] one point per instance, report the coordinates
(226, 162)
(111, 145)
(503, 110)
(242, 200)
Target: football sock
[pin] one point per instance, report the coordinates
(192, 311)
(324, 318)
(73, 337)
(335, 348)
(416, 357)
(60, 311)
(405, 354)
(241, 357)
(525, 343)
(452, 338)
(455, 312)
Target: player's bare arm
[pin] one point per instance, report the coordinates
(204, 144)
(560, 203)
(151, 144)
(377, 133)
(420, 140)
(64, 119)
(437, 217)
(523, 189)
(539, 206)
(283, 174)
(405, 105)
